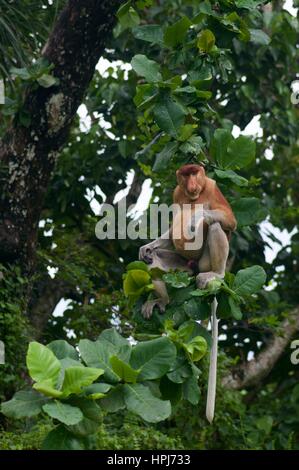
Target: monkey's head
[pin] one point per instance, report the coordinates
(191, 179)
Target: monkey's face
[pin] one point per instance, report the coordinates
(191, 179)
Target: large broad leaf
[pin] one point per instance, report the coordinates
(193, 145)
(63, 412)
(112, 337)
(84, 428)
(89, 408)
(146, 68)
(219, 145)
(123, 370)
(191, 390)
(61, 439)
(150, 32)
(97, 354)
(164, 157)
(154, 358)
(62, 349)
(169, 116)
(170, 391)
(231, 153)
(140, 401)
(249, 280)
(23, 404)
(232, 176)
(241, 152)
(175, 33)
(248, 211)
(47, 389)
(115, 400)
(235, 309)
(77, 377)
(42, 363)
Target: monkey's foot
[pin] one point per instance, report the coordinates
(202, 279)
(148, 307)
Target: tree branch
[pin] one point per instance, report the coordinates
(251, 373)
(74, 47)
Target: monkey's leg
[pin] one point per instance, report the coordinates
(165, 260)
(218, 250)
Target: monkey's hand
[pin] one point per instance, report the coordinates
(148, 307)
(202, 279)
(209, 218)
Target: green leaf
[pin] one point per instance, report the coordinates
(97, 390)
(249, 280)
(206, 41)
(265, 424)
(115, 400)
(248, 211)
(169, 116)
(191, 390)
(61, 439)
(62, 349)
(47, 389)
(46, 80)
(138, 265)
(42, 364)
(235, 309)
(258, 36)
(24, 404)
(177, 280)
(149, 69)
(112, 337)
(84, 428)
(139, 400)
(135, 281)
(163, 158)
(77, 377)
(219, 145)
(21, 73)
(152, 33)
(248, 4)
(197, 348)
(97, 354)
(176, 33)
(193, 145)
(170, 390)
(63, 412)
(123, 370)
(241, 152)
(232, 176)
(128, 17)
(153, 357)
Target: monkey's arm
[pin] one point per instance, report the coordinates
(220, 211)
(222, 215)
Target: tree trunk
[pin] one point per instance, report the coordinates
(29, 153)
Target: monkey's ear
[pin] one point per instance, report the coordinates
(202, 171)
(177, 174)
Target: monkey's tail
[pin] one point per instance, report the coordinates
(210, 408)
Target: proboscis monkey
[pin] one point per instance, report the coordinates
(214, 225)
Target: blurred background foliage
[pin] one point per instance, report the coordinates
(249, 80)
